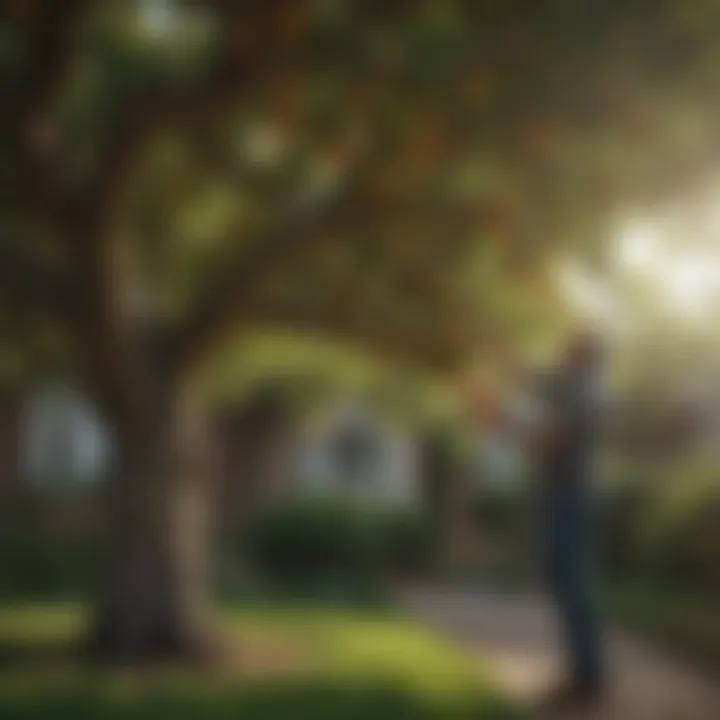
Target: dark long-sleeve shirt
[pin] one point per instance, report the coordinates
(573, 401)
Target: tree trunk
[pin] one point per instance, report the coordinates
(156, 600)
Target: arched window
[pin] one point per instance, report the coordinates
(64, 443)
(355, 449)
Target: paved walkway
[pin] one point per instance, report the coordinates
(517, 635)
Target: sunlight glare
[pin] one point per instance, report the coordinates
(685, 277)
(638, 248)
(588, 296)
(691, 282)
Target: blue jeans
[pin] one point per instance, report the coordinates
(571, 569)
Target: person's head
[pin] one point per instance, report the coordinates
(583, 350)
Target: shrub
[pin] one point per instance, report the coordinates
(406, 541)
(311, 541)
(620, 533)
(501, 514)
(682, 540)
(506, 521)
(666, 532)
(37, 565)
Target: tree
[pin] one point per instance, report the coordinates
(175, 172)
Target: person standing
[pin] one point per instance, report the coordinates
(565, 448)
(561, 432)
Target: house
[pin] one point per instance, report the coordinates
(52, 438)
(57, 451)
(350, 449)
(63, 441)
(343, 448)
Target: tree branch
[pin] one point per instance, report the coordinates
(446, 333)
(229, 298)
(51, 28)
(236, 73)
(233, 299)
(232, 290)
(435, 346)
(29, 138)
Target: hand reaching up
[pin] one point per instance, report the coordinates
(485, 407)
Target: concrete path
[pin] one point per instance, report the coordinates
(517, 635)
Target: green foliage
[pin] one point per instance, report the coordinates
(500, 512)
(667, 531)
(337, 542)
(407, 541)
(36, 564)
(308, 540)
(453, 126)
(318, 700)
(506, 522)
(682, 533)
(621, 516)
(683, 620)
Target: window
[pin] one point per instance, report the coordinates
(63, 442)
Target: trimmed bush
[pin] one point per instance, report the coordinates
(406, 541)
(506, 521)
(320, 541)
(37, 565)
(502, 514)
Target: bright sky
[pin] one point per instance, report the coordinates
(686, 275)
(683, 276)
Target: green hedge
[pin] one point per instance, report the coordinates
(683, 547)
(667, 532)
(507, 522)
(622, 514)
(311, 540)
(34, 564)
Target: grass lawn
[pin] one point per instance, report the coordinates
(293, 663)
